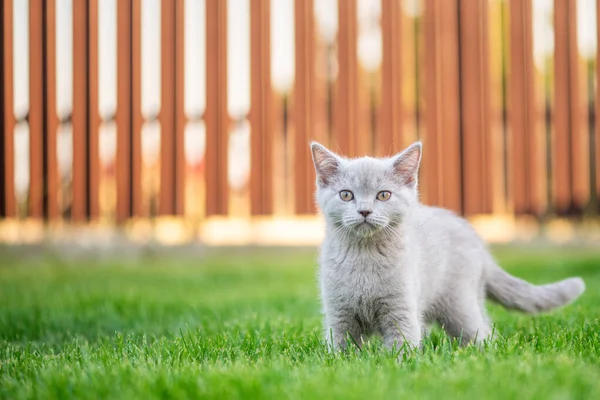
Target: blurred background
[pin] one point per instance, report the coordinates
(189, 120)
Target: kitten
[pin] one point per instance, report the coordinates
(390, 265)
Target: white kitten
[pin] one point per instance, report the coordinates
(390, 265)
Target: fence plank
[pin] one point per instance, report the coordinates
(498, 59)
(450, 92)
(8, 207)
(597, 104)
(560, 167)
(579, 108)
(52, 210)
(490, 171)
(123, 114)
(441, 155)
(475, 107)
(570, 168)
(36, 108)
(138, 209)
(521, 102)
(166, 205)
(216, 114)
(527, 155)
(128, 116)
(303, 104)
(180, 115)
(430, 183)
(93, 114)
(413, 72)
(390, 137)
(322, 91)
(80, 110)
(261, 177)
(172, 115)
(346, 101)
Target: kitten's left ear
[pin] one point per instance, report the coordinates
(406, 164)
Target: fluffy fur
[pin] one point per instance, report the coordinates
(390, 266)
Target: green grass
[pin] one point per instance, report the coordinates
(245, 324)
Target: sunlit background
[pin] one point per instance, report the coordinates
(369, 50)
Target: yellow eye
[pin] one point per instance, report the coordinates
(346, 195)
(384, 195)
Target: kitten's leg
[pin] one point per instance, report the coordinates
(426, 330)
(466, 321)
(341, 328)
(399, 326)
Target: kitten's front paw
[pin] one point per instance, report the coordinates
(405, 350)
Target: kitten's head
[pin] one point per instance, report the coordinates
(366, 195)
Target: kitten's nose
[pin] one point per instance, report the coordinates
(365, 213)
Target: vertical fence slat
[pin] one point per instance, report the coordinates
(216, 114)
(137, 119)
(180, 116)
(80, 110)
(521, 101)
(490, 172)
(390, 137)
(411, 81)
(321, 97)
(366, 97)
(303, 104)
(347, 108)
(570, 167)
(450, 93)
(36, 108)
(128, 115)
(442, 170)
(93, 113)
(597, 102)
(172, 115)
(430, 184)
(580, 134)
(319, 63)
(498, 59)
(166, 203)
(560, 167)
(7, 190)
(123, 114)
(281, 175)
(541, 145)
(474, 69)
(261, 178)
(527, 155)
(52, 123)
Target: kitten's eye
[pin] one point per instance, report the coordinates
(384, 195)
(346, 195)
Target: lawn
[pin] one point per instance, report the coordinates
(243, 324)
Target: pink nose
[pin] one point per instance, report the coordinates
(364, 213)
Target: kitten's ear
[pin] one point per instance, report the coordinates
(406, 164)
(326, 163)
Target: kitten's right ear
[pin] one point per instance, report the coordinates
(326, 163)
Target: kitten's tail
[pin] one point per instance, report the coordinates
(515, 293)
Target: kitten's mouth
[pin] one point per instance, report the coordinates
(366, 225)
(365, 229)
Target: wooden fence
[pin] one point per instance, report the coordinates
(502, 133)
